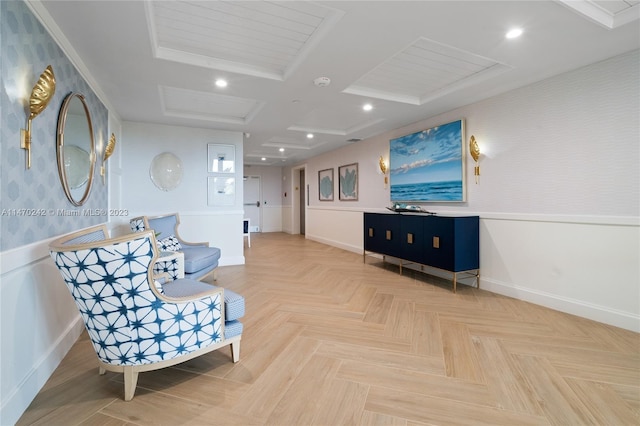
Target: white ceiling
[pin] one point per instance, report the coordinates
(157, 61)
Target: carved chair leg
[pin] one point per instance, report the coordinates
(235, 351)
(130, 382)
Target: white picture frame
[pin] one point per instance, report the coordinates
(221, 191)
(221, 158)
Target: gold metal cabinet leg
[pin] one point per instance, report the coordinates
(455, 278)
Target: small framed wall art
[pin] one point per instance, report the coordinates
(348, 182)
(325, 185)
(221, 158)
(221, 191)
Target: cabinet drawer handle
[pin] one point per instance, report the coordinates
(409, 238)
(436, 242)
(371, 232)
(388, 235)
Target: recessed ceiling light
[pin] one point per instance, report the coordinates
(514, 33)
(264, 159)
(221, 82)
(281, 150)
(309, 135)
(367, 107)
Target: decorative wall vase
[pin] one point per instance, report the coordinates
(166, 171)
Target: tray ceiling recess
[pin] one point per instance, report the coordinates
(423, 71)
(260, 39)
(610, 14)
(208, 106)
(291, 143)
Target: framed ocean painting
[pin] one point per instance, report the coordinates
(325, 185)
(348, 182)
(428, 166)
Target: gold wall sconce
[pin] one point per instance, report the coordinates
(383, 169)
(41, 94)
(474, 149)
(108, 150)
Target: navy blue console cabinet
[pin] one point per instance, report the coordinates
(450, 243)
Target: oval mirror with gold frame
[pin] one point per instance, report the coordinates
(75, 149)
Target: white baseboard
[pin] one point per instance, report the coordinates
(339, 244)
(563, 304)
(18, 399)
(231, 260)
(272, 229)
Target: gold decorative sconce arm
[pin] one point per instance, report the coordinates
(108, 150)
(474, 149)
(41, 94)
(383, 169)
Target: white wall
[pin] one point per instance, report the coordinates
(39, 322)
(221, 226)
(558, 197)
(271, 203)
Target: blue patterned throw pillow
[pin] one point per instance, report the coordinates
(170, 243)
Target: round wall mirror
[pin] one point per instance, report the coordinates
(75, 149)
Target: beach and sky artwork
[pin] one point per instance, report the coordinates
(427, 165)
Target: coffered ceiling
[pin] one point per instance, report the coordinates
(157, 61)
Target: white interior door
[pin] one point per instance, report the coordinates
(252, 203)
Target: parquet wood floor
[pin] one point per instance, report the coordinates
(330, 340)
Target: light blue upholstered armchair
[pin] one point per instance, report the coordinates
(199, 258)
(134, 325)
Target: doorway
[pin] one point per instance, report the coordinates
(303, 201)
(252, 204)
(299, 200)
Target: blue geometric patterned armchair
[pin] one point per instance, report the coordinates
(133, 325)
(199, 258)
